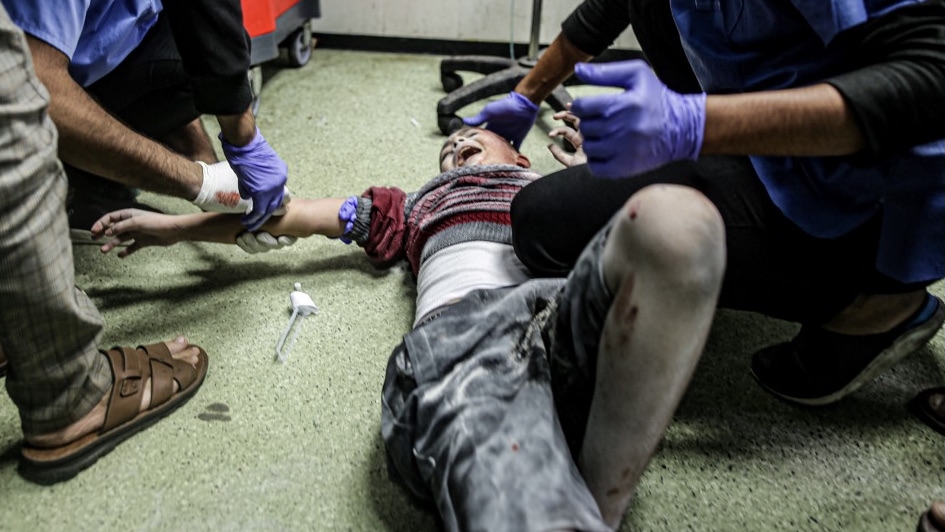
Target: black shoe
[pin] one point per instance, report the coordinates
(820, 367)
(85, 206)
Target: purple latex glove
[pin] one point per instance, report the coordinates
(512, 117)
(640, 129)
(262, 177)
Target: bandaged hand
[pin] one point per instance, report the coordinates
(220, 191)
(262, 241)
(261, 177)
(512, 117)
(644, 127)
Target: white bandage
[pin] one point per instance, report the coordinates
(261, 241)
(220, 191)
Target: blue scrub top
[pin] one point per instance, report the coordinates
(751, 45)
(96, 35)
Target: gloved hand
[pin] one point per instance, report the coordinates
(262, 241)
(642, 128)
(220, 191)
(262, 177)
(511, 117)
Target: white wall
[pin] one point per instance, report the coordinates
(461, 20)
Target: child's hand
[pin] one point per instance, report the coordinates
(142, 228)
(570, 133)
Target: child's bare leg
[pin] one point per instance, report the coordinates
(664, 260)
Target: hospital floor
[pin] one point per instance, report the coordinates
(269, 446)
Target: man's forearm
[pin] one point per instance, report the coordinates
(93, 140)
(808, 121)
(238, 130)
(554, 67)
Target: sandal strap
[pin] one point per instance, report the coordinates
(131, 370)
(132, 367)
(182, 371)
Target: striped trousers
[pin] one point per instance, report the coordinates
(48, 328)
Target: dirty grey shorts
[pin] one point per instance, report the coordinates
(469, 416)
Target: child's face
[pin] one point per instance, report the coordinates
(473, 146)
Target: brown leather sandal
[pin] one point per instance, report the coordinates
(131, 369)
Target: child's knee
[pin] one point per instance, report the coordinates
(669, 231)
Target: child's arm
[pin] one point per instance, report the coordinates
(302, 218)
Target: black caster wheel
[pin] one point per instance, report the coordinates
(298, 46)
(255, 84)
(451, 81)
(449, 123)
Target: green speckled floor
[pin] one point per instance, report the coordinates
(266, 446)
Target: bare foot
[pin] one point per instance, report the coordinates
(95, 419)
(934, 519)
(937, 514)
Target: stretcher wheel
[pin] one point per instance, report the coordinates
(451, 81)
(298, 46)
(449, 123)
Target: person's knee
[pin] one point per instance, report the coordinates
(670, 232)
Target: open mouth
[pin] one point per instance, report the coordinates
(465, 153)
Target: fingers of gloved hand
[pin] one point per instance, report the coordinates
(264, 205)
(269, 242)
(254, 219)
(286, 198)
(514, 107)
(598, 106)
(262, 241)
(249, 242)
(286, 240)
(607, 159)
(478, 119)
(220, 191)
(621, 74)
(511, 117)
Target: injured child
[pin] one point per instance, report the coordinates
(514, 403)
